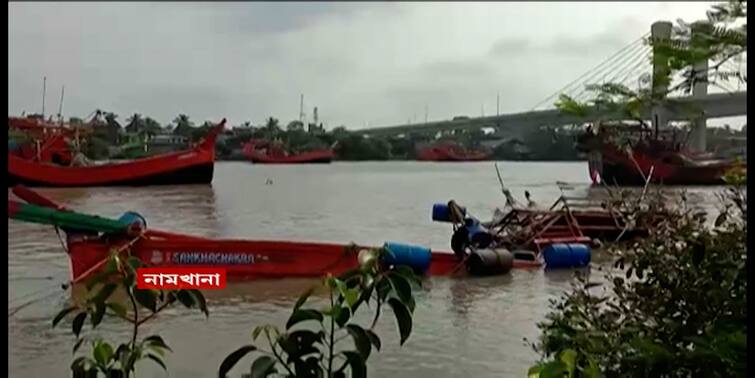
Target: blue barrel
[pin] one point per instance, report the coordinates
(441, 212)
(131, 217)
(477, 235)
(415, 257)
(12, 145)
(567, 255)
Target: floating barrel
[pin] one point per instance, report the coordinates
(567, 255)
(134, 220)
(442, 213)
(488, 262)
(415, 257)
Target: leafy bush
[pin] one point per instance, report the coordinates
(300, 351)
(119, 361)
(676, 306)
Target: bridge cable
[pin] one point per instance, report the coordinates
(605, 61)
(605, 66)
(621, 69)
(602, 73)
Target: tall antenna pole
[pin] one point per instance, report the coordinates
(44, 92)
(60, 108)
(301, 109)
(498, 104)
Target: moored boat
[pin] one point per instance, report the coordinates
(450, 151)
(629, 162)
(263, 152)
(90, 240)
(194, 166)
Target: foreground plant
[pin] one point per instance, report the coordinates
(119, 275)
(677, 305)
(315, 343)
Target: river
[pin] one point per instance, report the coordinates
(473, 327)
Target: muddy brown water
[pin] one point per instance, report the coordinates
(462, 327)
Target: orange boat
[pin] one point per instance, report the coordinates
(90, 240)
(263, 152)
(194, 166)
(450, 151)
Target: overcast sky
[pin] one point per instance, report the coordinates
(375, 64)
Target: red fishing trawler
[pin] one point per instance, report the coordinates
(625, 156)
(450, 151)
(264, 152)
(49, 164)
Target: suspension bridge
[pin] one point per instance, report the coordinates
(629, 66)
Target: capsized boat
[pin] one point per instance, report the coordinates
(90, 240)
(263, 152)
(194, 166)
(450, 151)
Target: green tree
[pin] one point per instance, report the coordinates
(183, 125)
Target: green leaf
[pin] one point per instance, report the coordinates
(99, 312)
(553, 369)
(403, 318)
(78, 322)
(230, 361)
(157, 341)
(263, 366)
(256, 332)
(105, 293)
(134, 263)
(103, 353)
(146, 298)
(157, 360)
(201, 301)
(303, 315)
(356, 362)
(62, 314)
(401, 286)
(117, 309)
(374, 339)
(361, 340)
(77, 345)
(569, 358)
(534, 372)
(185, 298)
(79, 364)
(408, 274)
(342, 315)
(303, 298)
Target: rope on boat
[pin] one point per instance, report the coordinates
(68, 284)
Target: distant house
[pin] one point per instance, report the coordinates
(162, 143)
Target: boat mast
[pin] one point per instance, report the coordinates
(44, 90)
(60, 107)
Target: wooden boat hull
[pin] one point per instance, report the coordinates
(242, 259)
(618, 168)
(195, 166)
(446, 154)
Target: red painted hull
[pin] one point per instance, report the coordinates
(317, 156)
(242, 259)
(187, 167)
(616, 167)
(450, 153)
